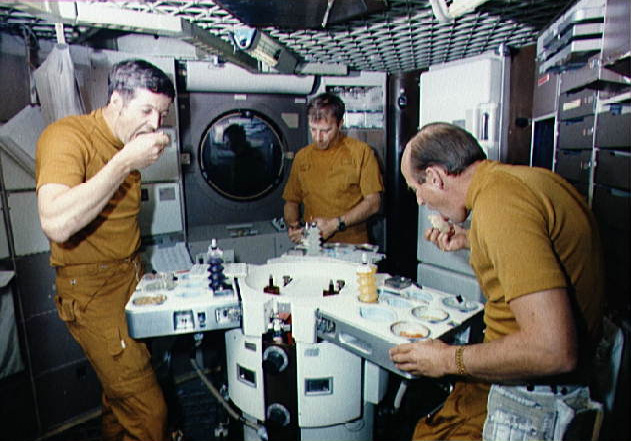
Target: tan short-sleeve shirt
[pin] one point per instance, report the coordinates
(70, 152)
(330, 182)
(532, 231)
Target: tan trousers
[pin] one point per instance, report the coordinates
(91, 300)
(461, 418)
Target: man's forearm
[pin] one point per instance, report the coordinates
(524, 354)
(362, 211)
(291, 214)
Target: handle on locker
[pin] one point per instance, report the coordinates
(353, 342)
(486, 122)
(484, 131)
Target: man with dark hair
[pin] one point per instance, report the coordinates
(537, 256)
(128, 76)
(336, 178)
(88, 192)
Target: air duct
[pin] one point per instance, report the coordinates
(203, 76)
(109, 17)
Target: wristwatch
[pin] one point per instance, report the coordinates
(293, 225)
(341, 226)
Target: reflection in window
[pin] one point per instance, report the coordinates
(241, 156)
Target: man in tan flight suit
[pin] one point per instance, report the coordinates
(88, 192)
(336, 178)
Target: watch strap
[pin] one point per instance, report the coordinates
(341, 226)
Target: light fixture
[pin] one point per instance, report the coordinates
(447, 14)
(264, 48)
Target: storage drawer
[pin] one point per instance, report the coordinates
(577, 105)
(614, 169)
(592, 74)
(576, 134)
(574, 165)
(613, 130)
(573, 79)
(545, 94)
(612, 208)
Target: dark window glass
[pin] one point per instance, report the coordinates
(241, 155)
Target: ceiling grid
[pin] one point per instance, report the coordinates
(404, 37)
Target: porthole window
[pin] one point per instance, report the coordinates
(241, 155)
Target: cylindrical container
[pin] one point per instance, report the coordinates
(367, 281)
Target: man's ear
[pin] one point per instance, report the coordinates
(116, 100)
(435, 176)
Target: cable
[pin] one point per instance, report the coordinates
(260, 430)
(400, 393)
(325, 19)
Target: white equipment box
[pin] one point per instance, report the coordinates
(182, 302)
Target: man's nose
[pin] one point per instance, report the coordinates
(154, 121)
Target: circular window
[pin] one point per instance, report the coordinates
(241, 155)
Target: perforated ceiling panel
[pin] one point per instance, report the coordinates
(404, 37)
